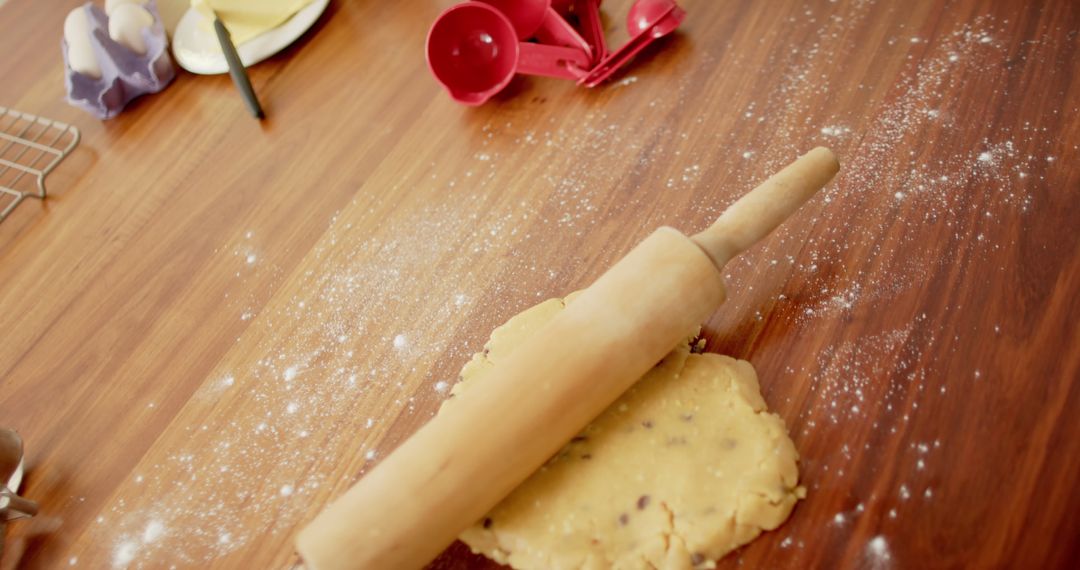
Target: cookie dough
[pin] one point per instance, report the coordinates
(685, 467)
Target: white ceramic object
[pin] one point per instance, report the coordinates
(125, 74)
(195, 45)
(80, 49)
(126, 25)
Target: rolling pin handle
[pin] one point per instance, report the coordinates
(761, 210)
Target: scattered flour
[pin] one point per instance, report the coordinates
(261, 479)
(835, 131)
(153, 531)
(878, 549)
(124, 553)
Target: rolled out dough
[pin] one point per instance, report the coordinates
(685, 467)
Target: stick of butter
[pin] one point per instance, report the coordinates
(246, 19)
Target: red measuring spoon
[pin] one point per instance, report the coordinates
(536, 18)
(474, 51)
(647, 21)
(592, 29)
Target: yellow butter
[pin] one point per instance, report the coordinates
(246, 19)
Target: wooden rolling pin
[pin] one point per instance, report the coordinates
(471, 455)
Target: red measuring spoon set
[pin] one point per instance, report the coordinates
(475, 48)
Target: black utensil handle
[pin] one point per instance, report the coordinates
(236, 69)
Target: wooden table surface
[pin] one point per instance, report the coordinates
(214, 326)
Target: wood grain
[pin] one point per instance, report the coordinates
(376, 207)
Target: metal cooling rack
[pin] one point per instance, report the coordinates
(30, 148)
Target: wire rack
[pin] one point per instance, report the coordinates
(30, 148)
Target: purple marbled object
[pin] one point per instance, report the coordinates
(124, 74)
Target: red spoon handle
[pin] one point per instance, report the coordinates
(662, 26)
(555, 30)
(616, 60)
(588, 11)
(552, 61)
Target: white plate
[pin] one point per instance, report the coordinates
(195, 45)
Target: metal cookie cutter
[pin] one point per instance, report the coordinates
(12, 506)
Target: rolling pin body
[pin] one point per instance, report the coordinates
(471, 455)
